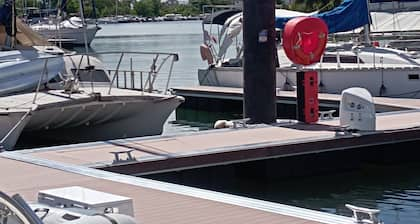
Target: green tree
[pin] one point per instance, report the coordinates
(147, 8)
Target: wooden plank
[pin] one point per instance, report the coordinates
(207, 148)
(153, 205)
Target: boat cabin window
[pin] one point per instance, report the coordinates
(97, 75)
(332, 58)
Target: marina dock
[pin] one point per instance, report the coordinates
(140, 156)
(111, 166)
(154, 202)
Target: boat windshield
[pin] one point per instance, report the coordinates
(96, 75)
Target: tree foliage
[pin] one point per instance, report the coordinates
(153, 8)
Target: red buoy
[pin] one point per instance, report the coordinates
(304, 39)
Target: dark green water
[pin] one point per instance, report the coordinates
(395, 189)
(326, 182)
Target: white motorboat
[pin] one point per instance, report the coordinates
(22, 65)
(20, 69)
(85, 105)
(383, 71)
(69, 32)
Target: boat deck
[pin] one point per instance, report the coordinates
(25, 101)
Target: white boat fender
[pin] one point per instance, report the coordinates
(223, 124)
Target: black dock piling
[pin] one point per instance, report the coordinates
(259, 61)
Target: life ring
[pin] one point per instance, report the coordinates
(304, 39)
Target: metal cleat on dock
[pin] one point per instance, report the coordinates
(117, 158)
(326, 115)
(364, 215)
(240, 123)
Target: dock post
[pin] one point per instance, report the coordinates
(259, 61)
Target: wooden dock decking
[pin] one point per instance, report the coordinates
(154, 202)
(88, 165)
(224, 146)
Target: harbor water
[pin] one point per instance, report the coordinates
(395, 189)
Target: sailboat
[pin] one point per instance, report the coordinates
(70, 31)
(67, 32)
(383, 71)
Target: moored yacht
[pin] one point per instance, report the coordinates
(85, 104)
(25, 58)
(383, 71)
(69, 32)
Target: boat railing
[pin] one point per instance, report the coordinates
(139, 70)
(134, 70)
(124, 75)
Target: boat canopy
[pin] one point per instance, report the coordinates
(221, 16)
(349, 15)
(25, 36)
(6, 16)
(395, 22)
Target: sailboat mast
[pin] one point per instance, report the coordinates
(94, 12)
(367, 26)
(82, 17)
(116, 8)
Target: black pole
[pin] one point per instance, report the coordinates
(14, 29)
(259, 61)
(95, 16)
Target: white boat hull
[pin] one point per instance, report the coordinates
(399, 81)
(89, 119)
(229, 77)
(22, 74)
(71, 36)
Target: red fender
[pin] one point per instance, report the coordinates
(206, 54)
(304, 39)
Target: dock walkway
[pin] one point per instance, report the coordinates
(90, 165)
(154, 202)
(225, 146)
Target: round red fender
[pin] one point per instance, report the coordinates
(304, 39)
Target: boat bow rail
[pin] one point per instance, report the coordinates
(84, 95)
(140, 70)
(134, 70)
